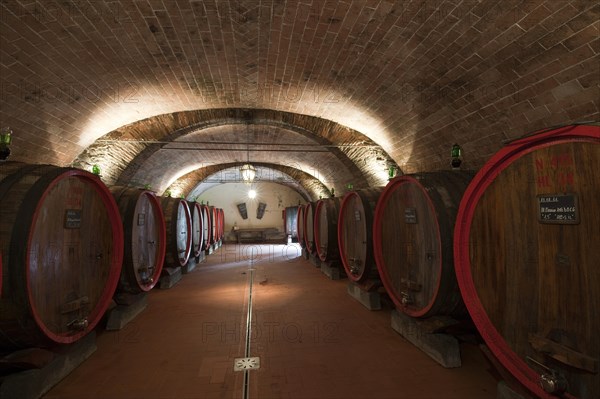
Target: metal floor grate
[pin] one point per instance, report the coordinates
(246, 363)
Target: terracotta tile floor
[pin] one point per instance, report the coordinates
(313, 340)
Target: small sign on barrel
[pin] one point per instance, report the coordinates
(558, 208)
(72, 218)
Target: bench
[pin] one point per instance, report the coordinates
(258, 234)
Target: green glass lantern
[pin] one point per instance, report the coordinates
(168, 193)
(332, 192)
(96, 169)
(5, 136)
(5, 139)
(349, 186)
(456, 155)
(391, 172)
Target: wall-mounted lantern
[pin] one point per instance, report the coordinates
(456, 155)
(391, 172)
(5, 140)
(96, 170)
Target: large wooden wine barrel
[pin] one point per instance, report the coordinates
(61, 240)
(222, 217)
(197, 228)
(213, 224)
(290, 220)
(215, 212)
(220, 223)
(355, 234)
(527, 248)
(300, 225)
(178, 222)
(206, 226)
(309, 231)
(412, 242)
(144, 239)
(325, 229)
(217, 224)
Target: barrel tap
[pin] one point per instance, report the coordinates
(551, 380)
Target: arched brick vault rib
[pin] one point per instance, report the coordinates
(222, 144)
(123, 153)
(312, 188)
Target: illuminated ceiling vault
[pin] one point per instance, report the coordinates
(168, 93)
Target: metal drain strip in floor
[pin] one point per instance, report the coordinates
(249, 315)
(247, 363)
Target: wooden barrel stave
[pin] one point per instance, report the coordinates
(145, 239)
(355, 234)
(531, 286)
(62, 243)
(325, 229)
(178, 225)
(412, 239)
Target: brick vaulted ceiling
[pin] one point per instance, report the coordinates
(155, 91)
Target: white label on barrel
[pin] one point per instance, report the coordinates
(410, 215)
(357, 215)
(141, 219)
(72, 218)
(558, 208)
